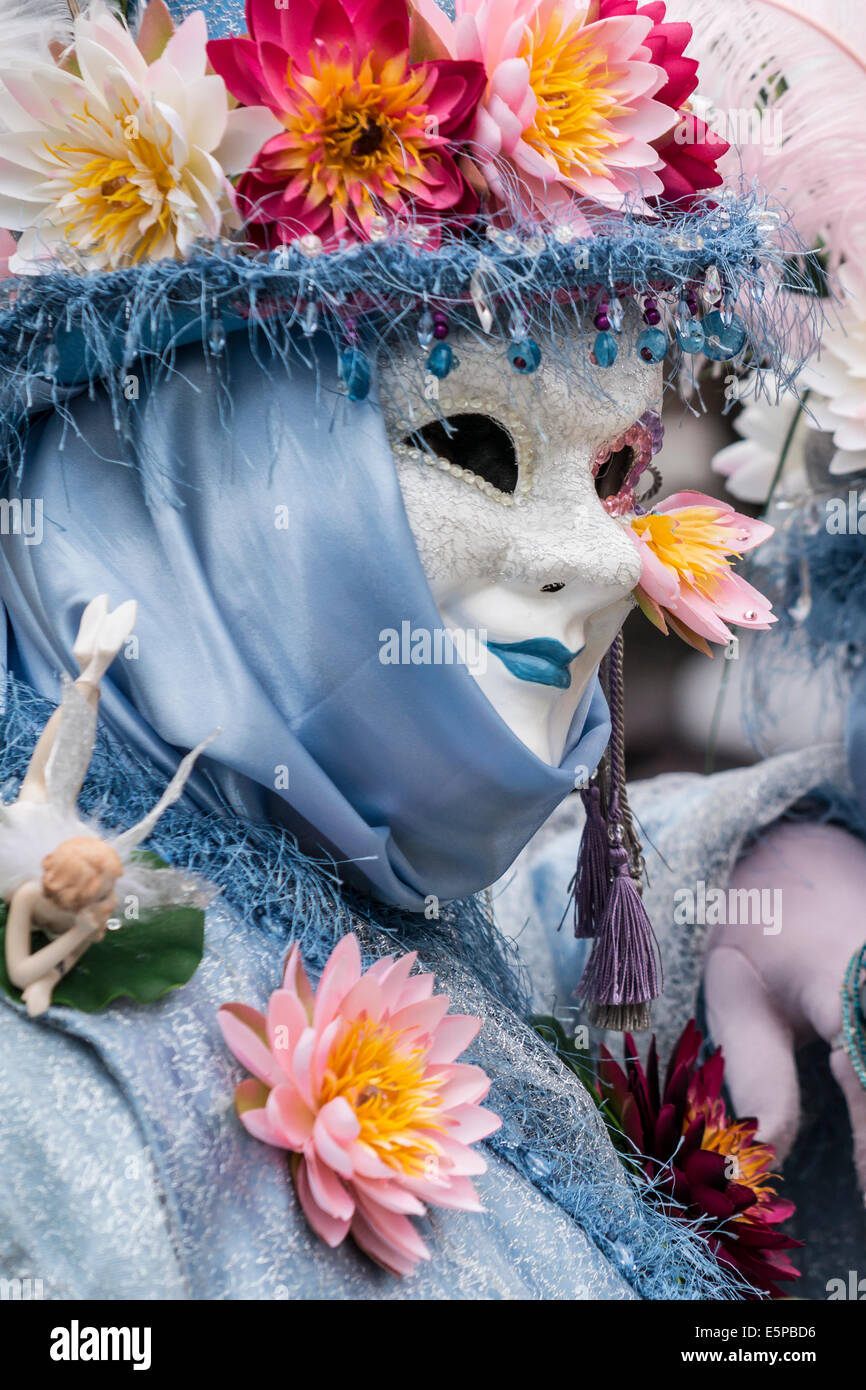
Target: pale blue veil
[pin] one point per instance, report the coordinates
(255, 514)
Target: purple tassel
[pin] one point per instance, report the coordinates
(623, 974)
(591, 883)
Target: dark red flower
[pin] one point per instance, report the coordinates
(704, 1166)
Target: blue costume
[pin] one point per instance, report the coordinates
(407, 765)
(255, 514)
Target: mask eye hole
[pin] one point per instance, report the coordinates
(613, 472)
(619, 464)
(477, 443)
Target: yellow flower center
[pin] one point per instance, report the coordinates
(121, 193)
(359, 137)
(693, 544)
(750, 1160)
(571, 82)
(380, 1072)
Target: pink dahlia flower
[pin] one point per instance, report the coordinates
(686, 574)
(572, 103)
(360, 1082)
(368, 135)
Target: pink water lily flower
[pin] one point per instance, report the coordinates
(570, 104)
(690, 151)
(687, 578)
(359, 1081)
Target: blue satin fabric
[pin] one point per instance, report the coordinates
(274, 634)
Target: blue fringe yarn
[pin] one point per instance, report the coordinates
(66, 330)
(836, 566)
(277, 890)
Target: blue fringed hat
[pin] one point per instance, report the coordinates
(381, 174)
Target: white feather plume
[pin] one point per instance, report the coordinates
(802, 63)
(27, 27)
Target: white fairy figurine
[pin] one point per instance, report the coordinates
(63, 875)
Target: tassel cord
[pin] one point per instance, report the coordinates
(620, 816)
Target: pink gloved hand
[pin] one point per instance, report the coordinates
(767, 993)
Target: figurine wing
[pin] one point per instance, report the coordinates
(69, 759)
(169, 887)
(128, 839)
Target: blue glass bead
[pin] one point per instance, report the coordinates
(525, 356)
(652, 345)
(538, 1166)
(604, 349)
(216, 334)
(426, 326)
(441, 360)
(355, 370)
(691, 338)
(623, 1255)
(722, 341)
(50, 360)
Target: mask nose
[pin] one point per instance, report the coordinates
(560, 546)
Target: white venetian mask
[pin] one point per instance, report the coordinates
(519, 550)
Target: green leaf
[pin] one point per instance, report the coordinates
(154, 31)
(553, 1033)
(424, 43)
(148, 857)
(650, 609)
(141, 960)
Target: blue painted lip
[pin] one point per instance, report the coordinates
(543, 660)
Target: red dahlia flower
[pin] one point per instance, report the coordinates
(711, 1169)
(368, 133)
(690, 150)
